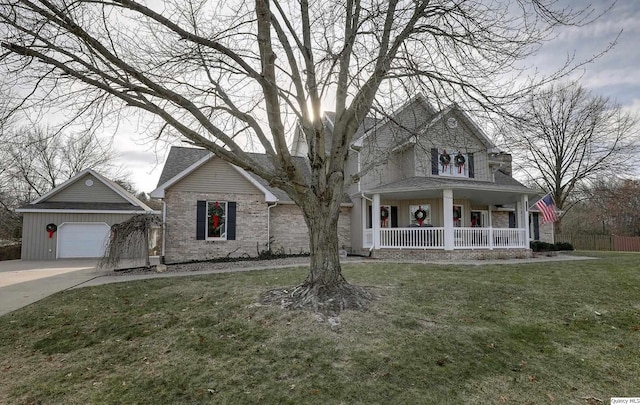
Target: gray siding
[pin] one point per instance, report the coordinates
(36, 244)
(80, 192)
(462, 138)
(215, 176)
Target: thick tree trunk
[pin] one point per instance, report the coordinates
(324, 290)
(325, 270)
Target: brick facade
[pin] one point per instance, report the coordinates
(180, 227)
(286, 226)
(289, 230)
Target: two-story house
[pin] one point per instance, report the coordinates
(432, 186)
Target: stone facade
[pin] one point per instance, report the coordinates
(441, 255)
(286, 226)
(500, 219)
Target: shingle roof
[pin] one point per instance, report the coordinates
(501, 182)
(181, 158)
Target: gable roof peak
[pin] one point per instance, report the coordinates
(115, 187)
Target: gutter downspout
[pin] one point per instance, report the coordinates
(269, 225)
(164, 230)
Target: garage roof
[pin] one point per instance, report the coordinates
(96, 195)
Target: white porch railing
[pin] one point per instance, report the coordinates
(433, 238)
(412, 238)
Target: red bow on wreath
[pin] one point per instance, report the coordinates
(215, 218)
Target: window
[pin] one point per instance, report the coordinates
(457, 216)
(420, 215)
(216, 220)
(479, 218)
(452, 162)
(388, 216)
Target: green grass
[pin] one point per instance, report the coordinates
(561, 332)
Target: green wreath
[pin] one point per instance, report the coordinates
(445, 159)
(420, 214)
(460, 160)
(384, 213)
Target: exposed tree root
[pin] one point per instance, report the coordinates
(328, 300)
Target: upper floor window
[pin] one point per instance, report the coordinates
(452, 163)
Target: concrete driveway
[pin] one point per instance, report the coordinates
(25, 282)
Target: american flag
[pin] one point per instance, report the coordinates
(547, 208)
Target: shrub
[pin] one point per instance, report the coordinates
(539, 246)
(564, 246)
(11, 252)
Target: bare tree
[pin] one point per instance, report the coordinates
(36, 160)
(611, 206)
(569, 136)
(223, 75)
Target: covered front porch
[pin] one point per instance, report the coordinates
(434, 238)
(468, 215)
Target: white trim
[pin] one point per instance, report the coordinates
(268, 195)
(72, 211)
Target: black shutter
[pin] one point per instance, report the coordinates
(370, 216)
(512, 220)
(394, 217)
(471, 173)
(231, 220)
(434, 161)
(201, 220)
(536, 225)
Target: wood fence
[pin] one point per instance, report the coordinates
(602, 242)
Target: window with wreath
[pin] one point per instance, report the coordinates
(420, 215)
(452, 163)
(216, 220)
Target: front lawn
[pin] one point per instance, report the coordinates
(560, 332)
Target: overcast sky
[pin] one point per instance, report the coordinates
(615, 75)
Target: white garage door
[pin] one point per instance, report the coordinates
(82, 239)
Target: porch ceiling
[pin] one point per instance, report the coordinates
(486, 193)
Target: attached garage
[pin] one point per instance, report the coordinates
(82, 239)
(74, 219)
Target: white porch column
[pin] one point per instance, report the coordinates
(363, 220)
(524, 212)
(447, 206)
(490, 228)
(375, 221)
